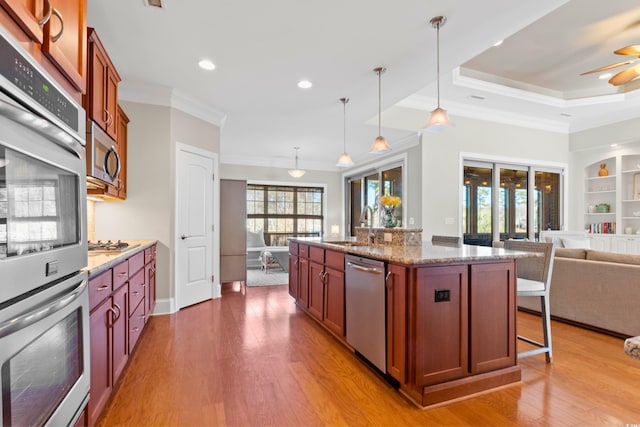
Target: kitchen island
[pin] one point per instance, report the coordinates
(450, 312)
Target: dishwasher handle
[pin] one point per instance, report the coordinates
(373, 270)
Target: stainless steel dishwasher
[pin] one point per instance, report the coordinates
(365, 309)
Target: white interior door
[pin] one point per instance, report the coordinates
(194, 227)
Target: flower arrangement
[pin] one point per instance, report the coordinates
(387, 200)
(388, 204)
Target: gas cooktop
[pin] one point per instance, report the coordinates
(109, 246)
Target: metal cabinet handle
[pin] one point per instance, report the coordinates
(57, 36)
(122, 273)
(119, 311)
(135, 329)
(47, 15)
(102, 288)
(111, 320)
(135, 293)
(388, 283)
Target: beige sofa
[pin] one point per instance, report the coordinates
(595, 289)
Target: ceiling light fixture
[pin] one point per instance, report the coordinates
(305, 84)
(345, 159)
(296, 173)
(439, 118)
(380, 145)
(605, 76)
(207, 64)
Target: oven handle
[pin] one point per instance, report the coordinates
(27, 319)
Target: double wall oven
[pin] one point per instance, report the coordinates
(44, 304)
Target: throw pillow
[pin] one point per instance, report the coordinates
(255, 240)
(576, 243)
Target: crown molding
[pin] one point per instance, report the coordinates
(168, 97)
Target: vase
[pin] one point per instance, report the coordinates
(389, 217)
(603, 170)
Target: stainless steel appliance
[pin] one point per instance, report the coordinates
(44, 304)
(365, 309)
(103, 160)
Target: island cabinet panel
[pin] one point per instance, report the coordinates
(397, 322)
(120, 351)
(316, 289)
(441, 324)
(303, 282)
(493, 336)
(334, 314)
(293, 276)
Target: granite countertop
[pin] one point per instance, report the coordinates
(101, 261)
(415, 255)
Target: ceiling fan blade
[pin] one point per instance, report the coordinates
(608, 67)
(625, 76)
(634, 49)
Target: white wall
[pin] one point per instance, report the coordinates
(442, 169)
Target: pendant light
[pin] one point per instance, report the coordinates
(345, 159)
(380, 145)
(296, 173)
(439, 118)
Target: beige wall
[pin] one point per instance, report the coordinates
(148, 211)
(442, 169)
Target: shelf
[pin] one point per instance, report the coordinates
(595, 178)
(600, 192)
(631, 171)
(631, 217)
(603, 213)
(631, 201)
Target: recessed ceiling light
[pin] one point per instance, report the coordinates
(565, 114)
(478, 97)
(614, 145)
(605, 76)
(304, 84)
(206, 64)
(498, 43)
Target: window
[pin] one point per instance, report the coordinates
(509, 201)
(283, 212)
(364, 191)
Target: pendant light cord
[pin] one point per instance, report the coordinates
(438, 59)
(344, 117)
(379, 99)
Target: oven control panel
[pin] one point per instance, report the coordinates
(18, 70)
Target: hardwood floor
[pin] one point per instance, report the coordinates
(252, 358)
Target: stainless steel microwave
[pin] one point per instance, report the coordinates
(103, 159)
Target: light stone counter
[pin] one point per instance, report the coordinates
(415, 255)
(101, 261)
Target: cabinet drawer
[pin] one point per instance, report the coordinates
(136, 323)
(303, 251)
(99, 288)
(120, 274)
(293, 248)
(316, 254)
(149, 254)
(334, 260)
(136, 290)
(136, 262)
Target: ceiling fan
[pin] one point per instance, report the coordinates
(626, 75)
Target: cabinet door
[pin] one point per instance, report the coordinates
(293, 276)
(100, 322)
(30, 15)
(122, 124)
(334, 301)
(65, 40)
(441, 324)
(397, 322)
(150, 275)
(316, 289)
(97, 91)
(492, 316)
(120, 347)
(111, 103)
(303, 282)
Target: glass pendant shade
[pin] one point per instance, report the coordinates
(379, 146)
(344, 161)
(297, 172)
(438, 120)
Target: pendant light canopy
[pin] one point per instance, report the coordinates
(380, 145)
(439, 118)
(345, 159)
(296, 173)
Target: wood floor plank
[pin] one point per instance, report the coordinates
(253, 358)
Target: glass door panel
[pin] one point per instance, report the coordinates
(547, 202)
(392, 186)
(355, 204)
(371, 196)
(513, 206)
(477, 212)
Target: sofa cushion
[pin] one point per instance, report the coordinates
(571, 253)
(255, 240)
(574, 243)
(613, 257)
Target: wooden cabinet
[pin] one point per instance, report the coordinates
(120, 300)
(334, 314)
(30, 15)
(293, 276)
(316, 289)
(397, 321)
(54, 33)
(102, 92)
(122, 124)
(65, 40)
(303, 275)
